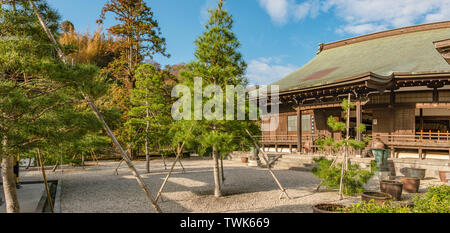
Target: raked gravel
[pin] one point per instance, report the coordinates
(96, 189)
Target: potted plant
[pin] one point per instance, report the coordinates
(443, 175)
(392, 187)
(411, 184)
(325, 208)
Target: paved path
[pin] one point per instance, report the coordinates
(29, 196)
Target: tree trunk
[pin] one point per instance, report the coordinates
(9, 185)
(217, 191)
(147, 157)
(147, 153)
(221, 169)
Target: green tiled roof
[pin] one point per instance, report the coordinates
(409, 52)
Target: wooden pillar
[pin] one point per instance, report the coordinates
(435, 95)
(358, 120)
(299, 131)
(421, 120)
(392, 98)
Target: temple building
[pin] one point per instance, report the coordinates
(399, 81)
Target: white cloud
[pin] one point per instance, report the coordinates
(277, 9)
(363, 16)
(263, 71)
(280, 11)
(360, 29)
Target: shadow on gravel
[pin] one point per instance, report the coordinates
(300, 208)
(239, 180)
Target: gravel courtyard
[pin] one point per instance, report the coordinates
(96, 189)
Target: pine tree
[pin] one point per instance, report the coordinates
(140, 34)
(150, 119)
(141, 38)
(39, 96)
(218, 63)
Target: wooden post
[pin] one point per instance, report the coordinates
(345, 162)
(49, 197)
(299, 131)
(222, 173)
(435, 95)
(392, 98)
(358, 120)
(98, 114)
(179, 153)
(283, 190)
(421, 119)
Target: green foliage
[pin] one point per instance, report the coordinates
(436, 200)
(218, 62)
(140, 36)
(336, 125)
(326, 144)
(41, 105)
(354, 178)
(355, 144)
(346, 105)
(361, 129)
(150, 118)
(373, 207)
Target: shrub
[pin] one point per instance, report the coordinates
(354, 178)
(373, 207)
(436, 200)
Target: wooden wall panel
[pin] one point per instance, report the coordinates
(321, 118)
(405, 121)
(384, 122)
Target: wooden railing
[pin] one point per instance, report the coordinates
(436, 136)
(421, 136)
(288, 139)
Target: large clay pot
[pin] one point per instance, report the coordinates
(416, 173)
(411, 185)
(443, 175)
(324, 208)
(244, 159)
(378, 197)
(392, 187)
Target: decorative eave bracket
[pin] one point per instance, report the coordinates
(443, 47)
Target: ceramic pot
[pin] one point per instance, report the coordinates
(378, 197)
(392, 187)
(416, 173)
(443, 175)
(324, 208)
(411, 185)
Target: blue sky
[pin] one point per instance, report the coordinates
(277, 36)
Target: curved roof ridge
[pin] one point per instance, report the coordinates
(388, 33)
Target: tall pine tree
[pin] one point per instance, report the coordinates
(40, 104)
(150, 119)
(141, 37)
(218, 62)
